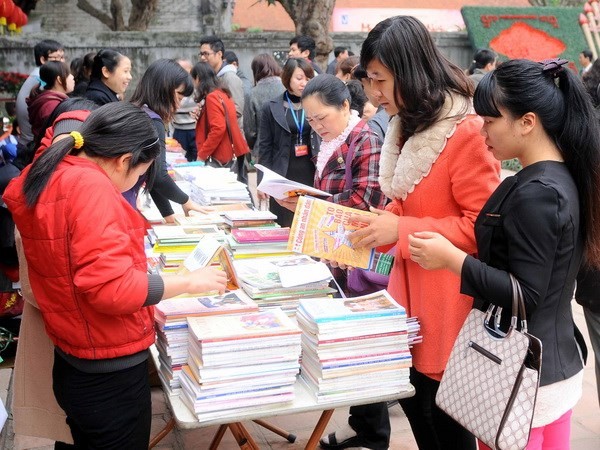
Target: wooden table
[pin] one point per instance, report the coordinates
(304, 401)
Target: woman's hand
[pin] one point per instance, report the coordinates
(433, 251)
(262, 196)
(169, 219)
(193, 206)
(381, 229)
(207, 279)
(288, 203)
(336, 264)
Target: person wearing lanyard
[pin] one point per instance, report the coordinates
(286, 143)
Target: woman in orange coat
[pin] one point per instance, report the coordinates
(435, 167)
(217, 131)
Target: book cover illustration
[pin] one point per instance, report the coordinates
(229, 302)
(323, 229)
(242, 326)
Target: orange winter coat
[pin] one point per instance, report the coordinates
(446, 201)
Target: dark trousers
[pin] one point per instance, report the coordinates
(105, 410)
(187, 140)
(433, 428)
(372, 425)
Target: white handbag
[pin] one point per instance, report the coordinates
(491, 380)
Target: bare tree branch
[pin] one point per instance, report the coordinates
(87, 7)
(142, 13)
(116, 10)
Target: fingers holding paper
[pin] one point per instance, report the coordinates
(207, 279)
(288, 203)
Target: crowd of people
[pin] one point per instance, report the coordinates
(398, 130)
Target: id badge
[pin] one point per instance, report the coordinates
(301, 150)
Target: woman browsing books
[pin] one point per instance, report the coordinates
(438, 173)
(96, 297)
(538, 225)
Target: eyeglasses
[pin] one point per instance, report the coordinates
(56, 57)
(205, 54)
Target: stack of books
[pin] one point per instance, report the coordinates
(212, 186)
(172, 327)
(282, 281)
(250, 218)
(239, 362)
(351, 342)
(258, 242)
(174, 243)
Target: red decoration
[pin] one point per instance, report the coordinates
(521, 40)
(487, 20)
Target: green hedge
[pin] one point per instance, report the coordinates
(486, 23)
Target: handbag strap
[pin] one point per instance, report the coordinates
(518, 305)
(228, 126)
(348, 164)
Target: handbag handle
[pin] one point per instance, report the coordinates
(518, 310)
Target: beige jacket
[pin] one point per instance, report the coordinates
(34, 408)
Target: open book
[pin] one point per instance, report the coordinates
(280, 188)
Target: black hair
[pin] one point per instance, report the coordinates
(216, 44)
(263, 66)
(109, 132)
(156, 89)
(358, 98)
(591, 81)
(107, 57)
(557, 97)
(359, 73)
(423, 77)
(305, 43)
(348, 65)
(330, 90)
(51, 71)
(207, 80)
(82, 66)
(43, 48)
(482, 58)
(588, 54)
(290, 67)
(339, 50)
(230, 57)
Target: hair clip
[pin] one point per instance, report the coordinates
(554, 66)
(42, 82)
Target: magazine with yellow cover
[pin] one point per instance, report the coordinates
(322, 229)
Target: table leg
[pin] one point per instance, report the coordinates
(319, 429)
(242, 437)
(217, 437)
(162, 433)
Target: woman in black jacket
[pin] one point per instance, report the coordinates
(111, 74)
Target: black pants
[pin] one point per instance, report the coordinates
(372, 424)
(433, 428)
(105, 410)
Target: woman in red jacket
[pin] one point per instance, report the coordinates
(217, 131)
(84, 247)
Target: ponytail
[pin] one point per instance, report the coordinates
(43, 168)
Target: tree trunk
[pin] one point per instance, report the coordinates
(312, 18)
(142, 13)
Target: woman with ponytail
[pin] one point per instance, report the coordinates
(84, 248)
(539, 225)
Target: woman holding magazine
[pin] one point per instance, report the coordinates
(436, 169)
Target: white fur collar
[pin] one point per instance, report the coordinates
(400, 172)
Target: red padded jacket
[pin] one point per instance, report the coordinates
(84, 246)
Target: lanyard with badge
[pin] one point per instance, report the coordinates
(300, 149)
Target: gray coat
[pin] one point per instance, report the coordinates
(265, 90)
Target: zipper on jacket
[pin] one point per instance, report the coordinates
(479, 349)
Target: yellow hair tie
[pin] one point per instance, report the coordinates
(76, 135)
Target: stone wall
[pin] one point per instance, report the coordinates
(16, 53)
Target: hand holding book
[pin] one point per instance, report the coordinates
(375, 231)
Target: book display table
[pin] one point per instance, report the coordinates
(304, 401)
